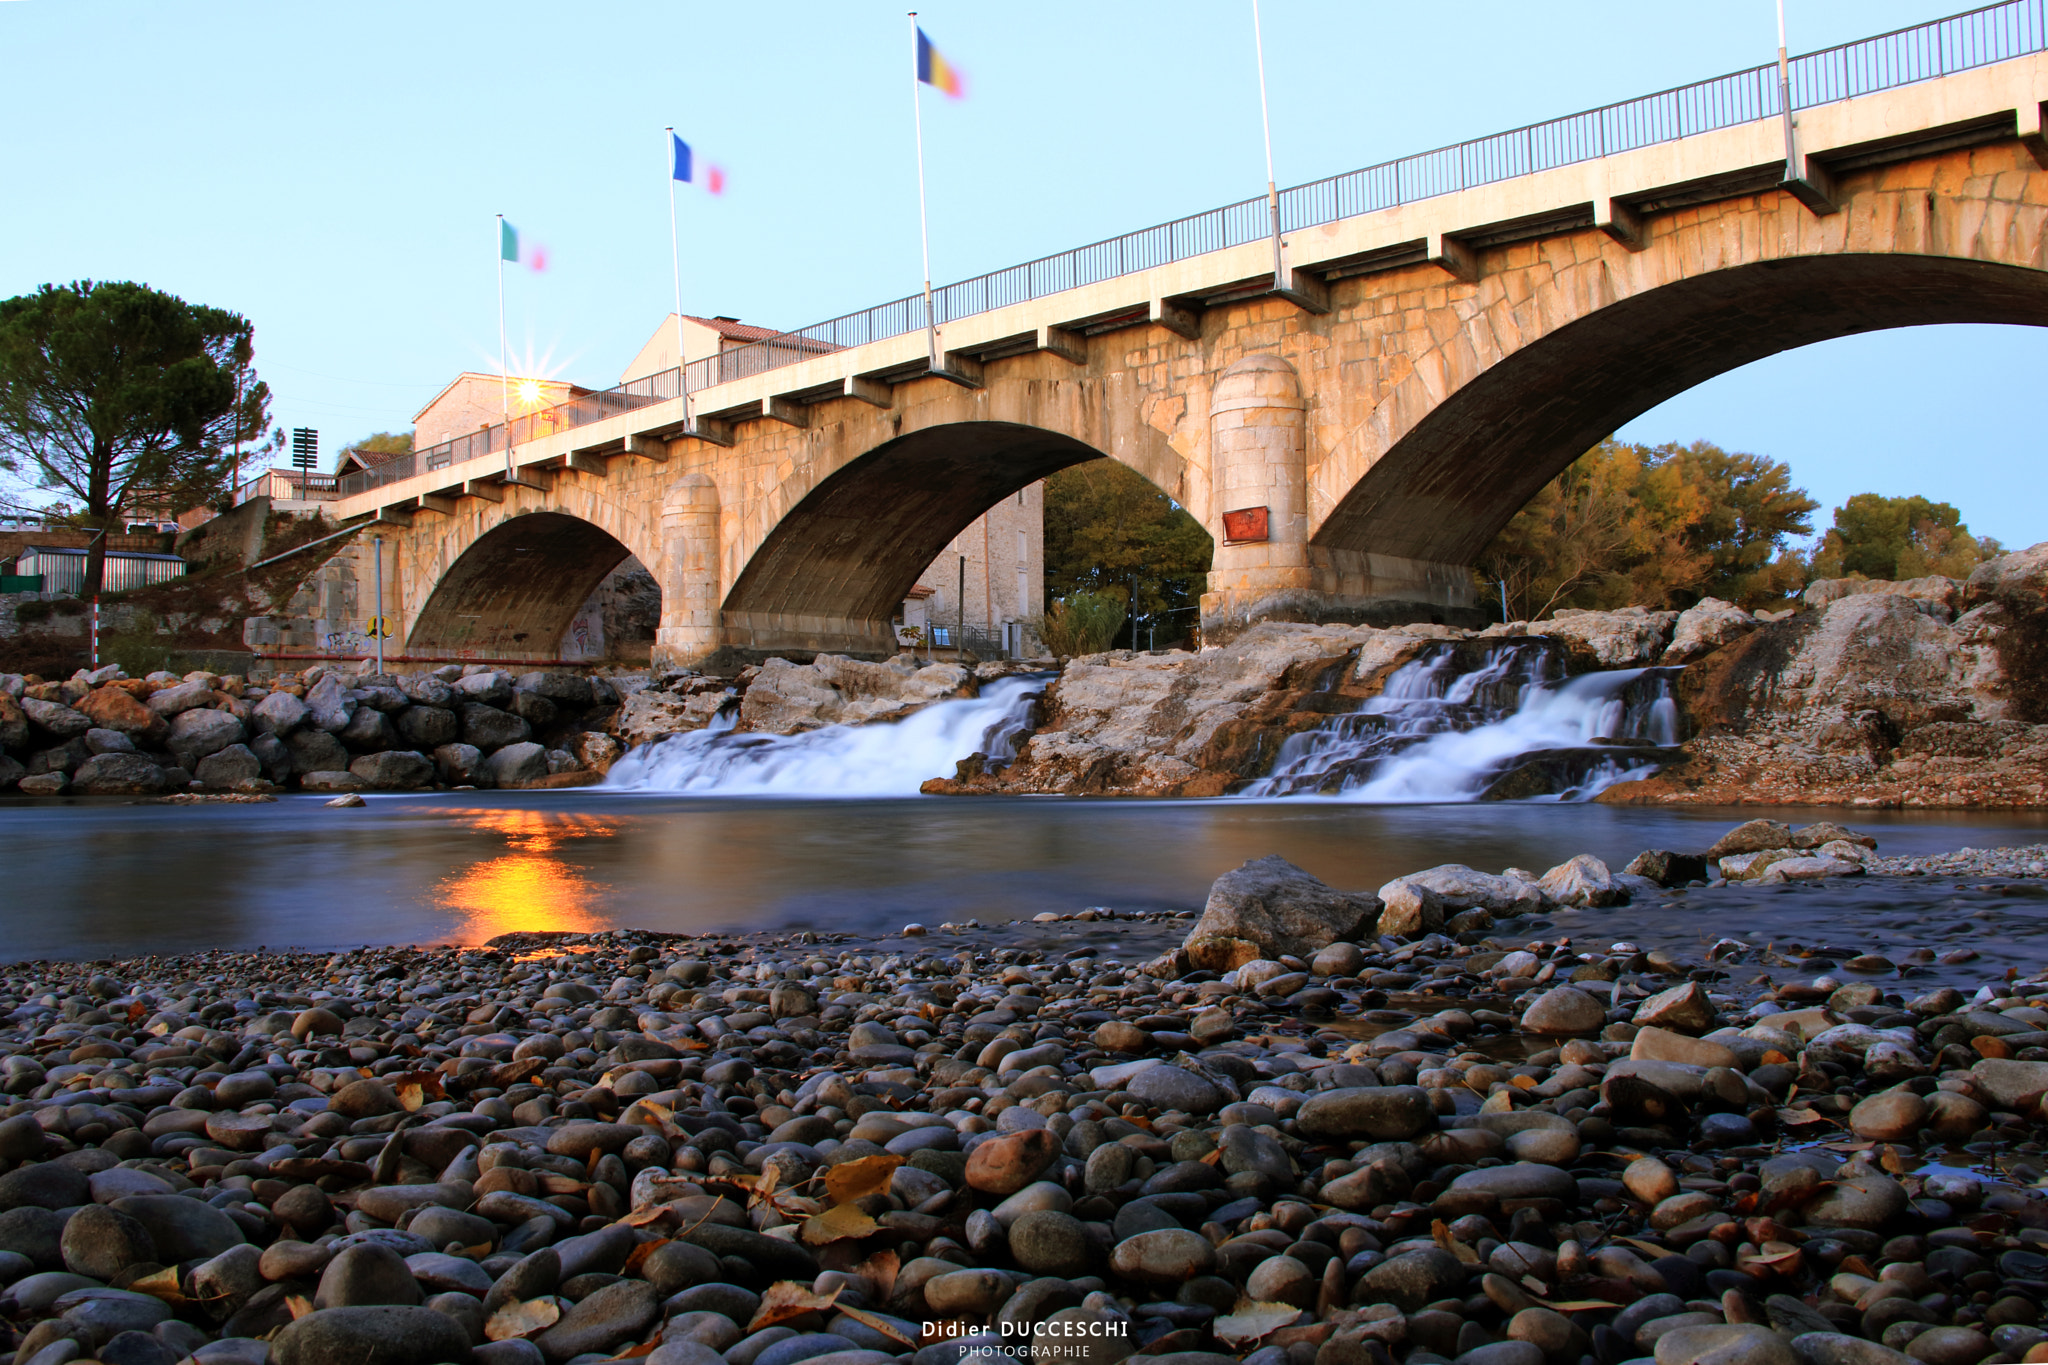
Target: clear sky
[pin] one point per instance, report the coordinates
(332, 172)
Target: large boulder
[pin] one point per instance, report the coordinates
(202, 731)
(458, 764)
(115, 708)
(786, 698)
(1275, 906)
(55, 718)
(118, 775)
(1458, 887)
(1705, 627)
(316, 751)
(1584, 881)
(329, 705)
(279, 714)
(229, 768)
(178, 697)
(394, 770)
(1627, 638)
(489, 728)
(425, 727)
(516, 765)
(1944, 592)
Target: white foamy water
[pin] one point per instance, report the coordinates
(1437, 734)
(892, 759)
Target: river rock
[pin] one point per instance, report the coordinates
(1170, 1256)
(601, 1321)
(428, 727)
(1050, 1242)
(1751, 836)
(1171, 1087)
(316, 751)
(101, 1242)
(1274, 904)
(44, 1185)
(278, 714)
(1391, 1113)
(1461, 888)
(385, 1335)
(1583, 881)
(1005, 1165)
(1627, 638)
(1889, 1116)
(1414, 1278)
(364, 1275)
(1410, 910)
(2010, 1083)
(1724, 1344)
(1563, 1011)
(1683, 1008)
(183, 1229)
(1868, 1200)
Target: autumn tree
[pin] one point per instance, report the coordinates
(1109, 530)
(1652, 525)
(113, 394)
(1893, 538)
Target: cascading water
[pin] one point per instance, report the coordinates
(839, 760)
(1511, 727)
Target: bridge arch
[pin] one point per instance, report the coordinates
(1562, 341)
(511, 588)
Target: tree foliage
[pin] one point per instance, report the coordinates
(1081, 623)
(112, 394)
(1110, 531)
(1893, 538)
(1658, 526)
(380, 443)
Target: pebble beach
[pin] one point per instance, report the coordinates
(1076, 1138)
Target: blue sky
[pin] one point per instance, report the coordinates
(332, 172)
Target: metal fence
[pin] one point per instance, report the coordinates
(1979, 37)
(62, 569)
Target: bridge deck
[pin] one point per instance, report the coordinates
(1450, 230)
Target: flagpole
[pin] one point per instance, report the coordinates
(504, 369)
(1785, 99)
(1266, 124)
(924, 237)
(676, 263)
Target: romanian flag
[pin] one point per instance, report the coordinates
(509, 249)
(686, 168)
(935, 71)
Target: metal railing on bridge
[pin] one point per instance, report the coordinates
(1961, 42)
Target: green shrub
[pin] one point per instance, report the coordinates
(1081, 623)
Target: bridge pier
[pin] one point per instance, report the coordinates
(1258, 443)
(690, 629)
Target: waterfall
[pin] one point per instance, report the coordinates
(1513, 726)
(880, 759)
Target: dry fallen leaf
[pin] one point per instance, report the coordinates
(880, 1270)
(786, 1300)
(640, 1255)
(1250, 1321)
(1442, 1236)
(162, 1285)
(299, 1305)
(836, 1224)
(880, 1324)
(522, 1319)
(850, 1180)
(1577, 1305)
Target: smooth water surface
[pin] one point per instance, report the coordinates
(100, 879)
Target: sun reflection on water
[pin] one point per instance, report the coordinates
(528, 887)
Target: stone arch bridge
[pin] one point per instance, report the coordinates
(1405, 381)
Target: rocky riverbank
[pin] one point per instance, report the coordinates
(104, 733)
(1312, 1127)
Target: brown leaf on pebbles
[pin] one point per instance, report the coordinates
(163, 1285)
(522, 1318)
(785, 1301)
(878, 1323)
(851, 1180)
(837, 1224)
(1249, 1322)
(881, 1270)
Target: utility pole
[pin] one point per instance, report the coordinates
(1785, 99)
(377, 628)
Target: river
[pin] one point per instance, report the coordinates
(89, 879)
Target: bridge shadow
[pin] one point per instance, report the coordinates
(515, 592)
